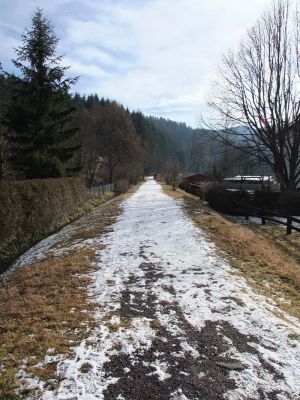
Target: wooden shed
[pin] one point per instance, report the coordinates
(195, 178)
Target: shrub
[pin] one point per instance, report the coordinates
(32, 209)
(121, 186)
(226, 201)
(283, 202)
(206, 187)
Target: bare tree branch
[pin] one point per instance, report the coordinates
(257, 89)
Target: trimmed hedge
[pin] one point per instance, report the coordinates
(226, 201)
(282, 202)
(32, 209)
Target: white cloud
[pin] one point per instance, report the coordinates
(157, 55)
(93, 54)
(91, 70)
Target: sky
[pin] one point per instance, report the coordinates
(156, 56)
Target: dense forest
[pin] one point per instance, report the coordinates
(114, 143)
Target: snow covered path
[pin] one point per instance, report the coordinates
(174, 320)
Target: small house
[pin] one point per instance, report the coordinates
(194, 178)
(249, 183)
(197, 184)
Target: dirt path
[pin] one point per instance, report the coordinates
(174, 321)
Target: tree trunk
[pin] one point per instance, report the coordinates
(110, 178)
(1, 169)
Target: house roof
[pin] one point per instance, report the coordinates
(258, 178)
(194, 174)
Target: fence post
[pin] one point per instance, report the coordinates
(288, 225)
(263, 221)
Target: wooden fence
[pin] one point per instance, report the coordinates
(267, 215)
(98, 190)
(247, 211)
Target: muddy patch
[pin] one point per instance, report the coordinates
(181, 358)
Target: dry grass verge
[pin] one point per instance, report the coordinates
(46, 307)
(265, 256)
(94, 202)
(40, 309)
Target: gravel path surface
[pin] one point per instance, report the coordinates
(175, 322)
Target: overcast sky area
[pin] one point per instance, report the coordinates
(156, 56)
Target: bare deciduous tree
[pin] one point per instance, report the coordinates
(171, 173)
(256, 98)
(119, 146)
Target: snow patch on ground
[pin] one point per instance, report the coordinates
(154, 229)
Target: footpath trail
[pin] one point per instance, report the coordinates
(175, 321)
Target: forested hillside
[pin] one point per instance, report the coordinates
(181, 137)
(160, 146)
(113, 143)
(201, 150)
(47, 131)
(109, 141)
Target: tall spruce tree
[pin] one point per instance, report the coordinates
(38, 117)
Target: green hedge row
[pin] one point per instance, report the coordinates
(32, 209)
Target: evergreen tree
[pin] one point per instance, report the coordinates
(159, 144)
(4, 150)
(38, 118)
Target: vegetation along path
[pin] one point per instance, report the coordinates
(173, 320)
